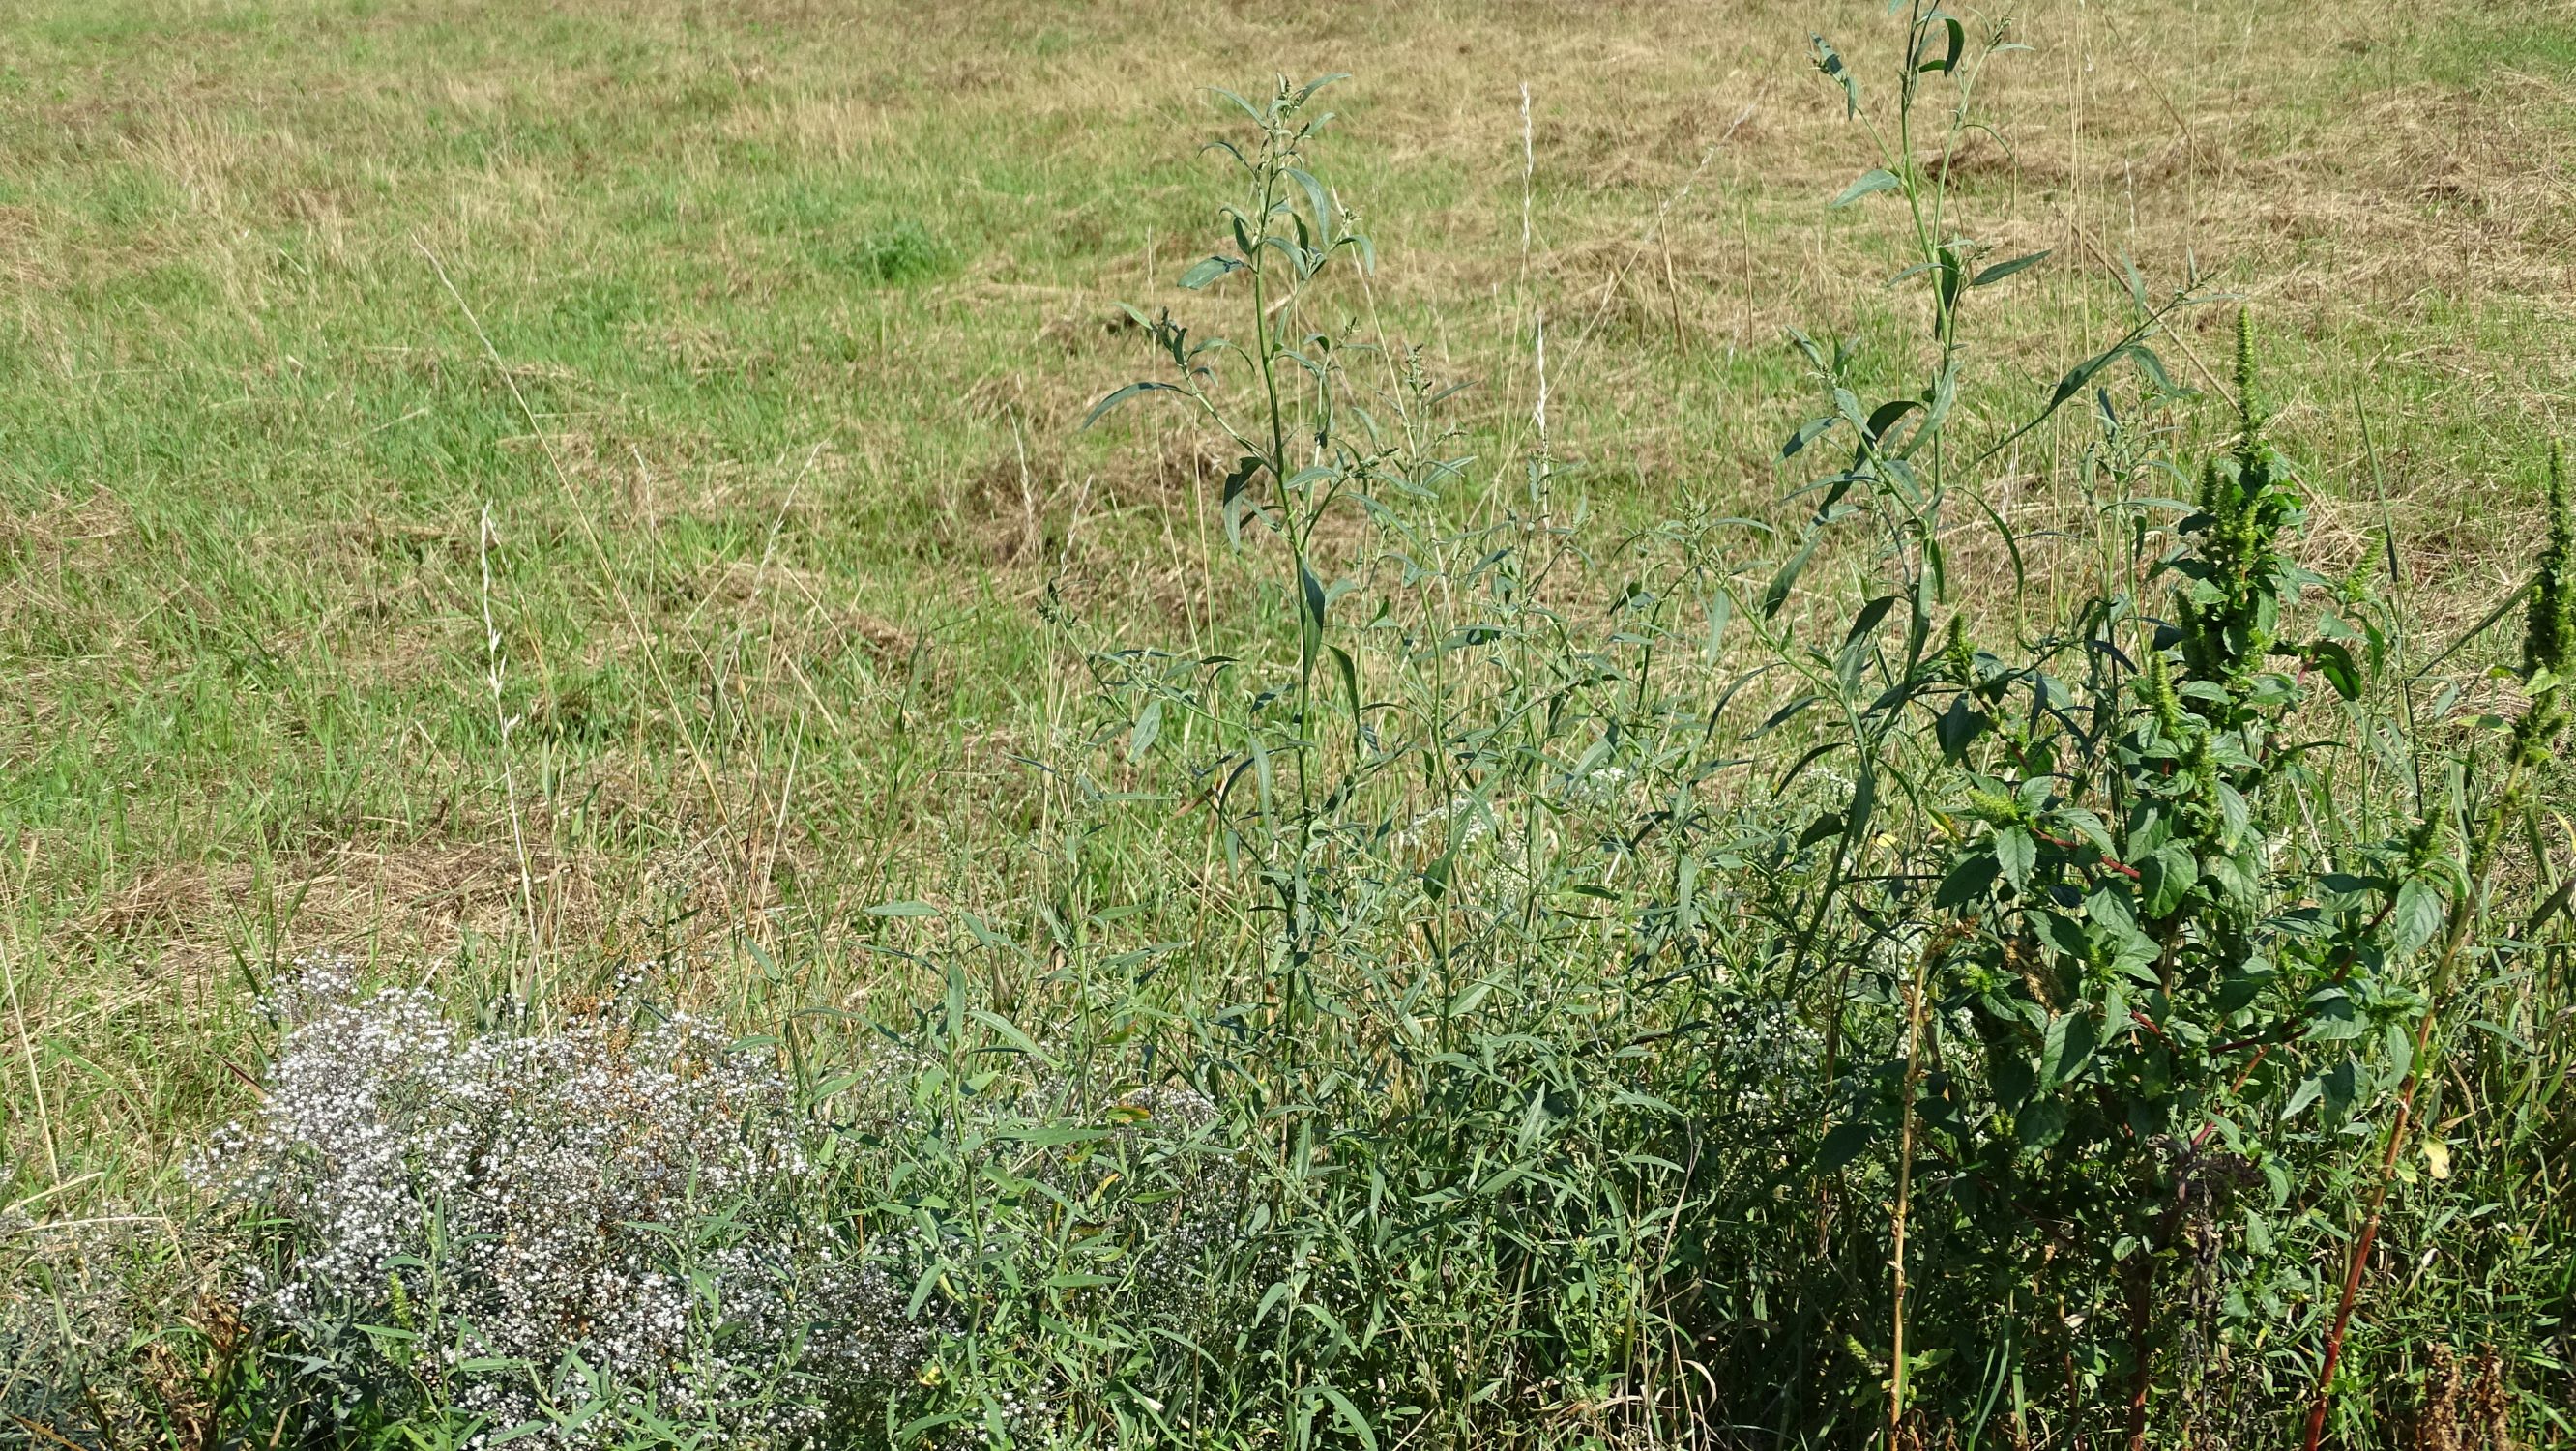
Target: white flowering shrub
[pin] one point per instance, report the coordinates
(558, 1234)
(1189, 1217)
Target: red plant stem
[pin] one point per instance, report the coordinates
(2233, 1089)
(2108, 860)
(2464, 914)
(2361, 1246)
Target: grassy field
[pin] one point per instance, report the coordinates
(762, 332)
(514, 491)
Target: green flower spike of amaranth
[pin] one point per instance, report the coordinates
(2549, 631)
(1958, 654)
(2549, 638)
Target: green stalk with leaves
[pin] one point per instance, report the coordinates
(2548, 664)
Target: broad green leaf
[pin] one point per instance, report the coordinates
(1843, 1144)
(2401, 1051)
(2064, 933)
(2067, 1047)
(1148, 727)
(1777, 594)
(2001, 270)
(1874, 180)
(1207, 270)
(2415, 918)
(2165, 878)
(2016, 853)
(1122, 395)
(2083, 372)
(2041, 1124)
(2308, 1091)
(1350, 1414)
(1349, 670)
(1948, 61)
(1959, 728)
(1808, 432)
(1967, 883)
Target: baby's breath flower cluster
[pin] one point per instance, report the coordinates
(603, 1216)
(1173, 1138)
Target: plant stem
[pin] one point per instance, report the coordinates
(1904, 1207)
(2142, 1303)
(2464, 914)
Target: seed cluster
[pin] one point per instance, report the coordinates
(523, 1225)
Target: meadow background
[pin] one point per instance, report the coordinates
(711, 376)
